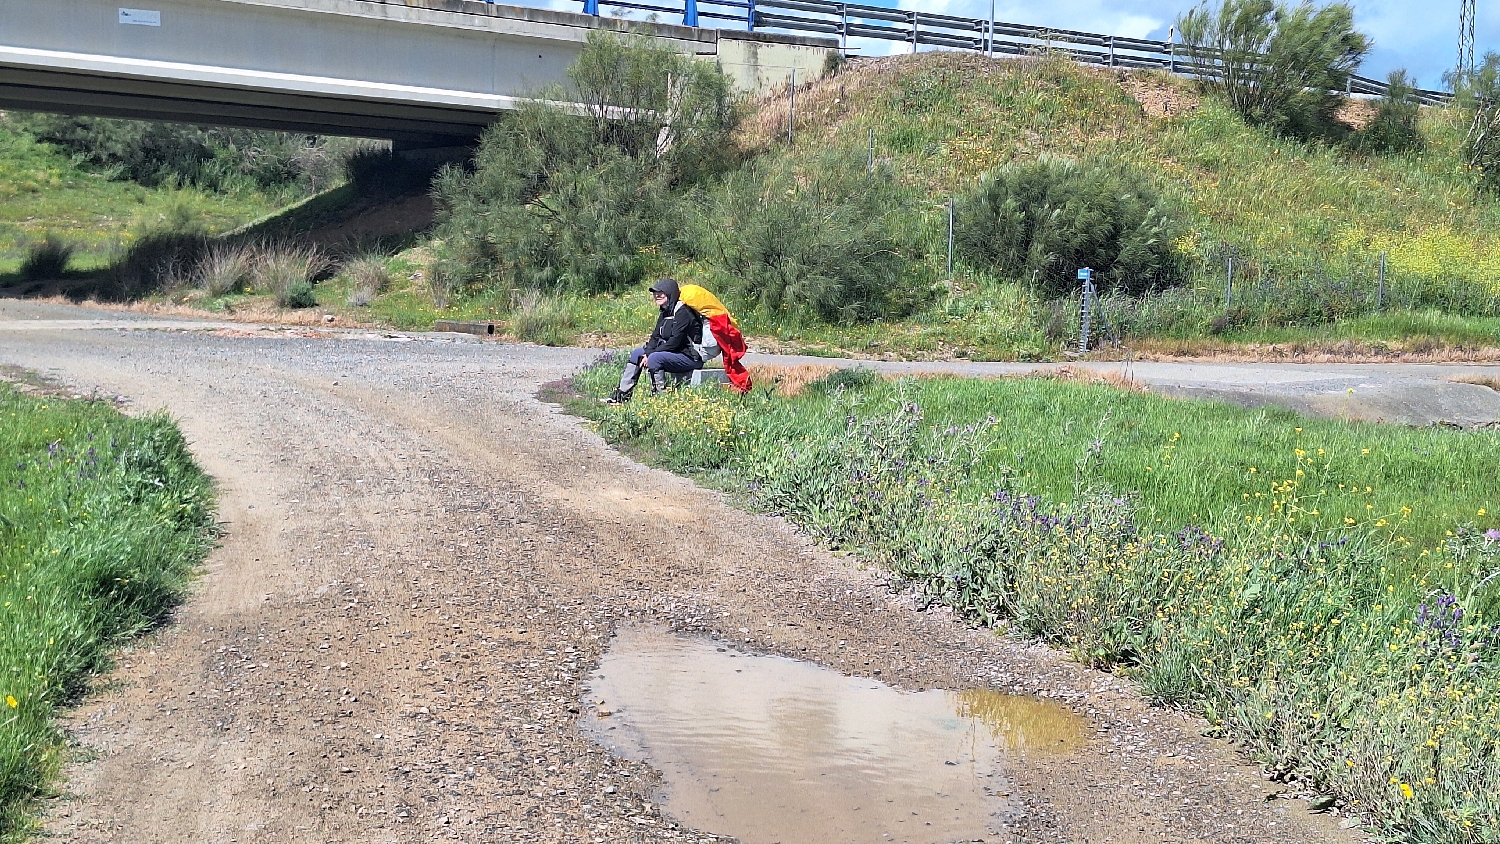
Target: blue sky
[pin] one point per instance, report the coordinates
(1419, 36)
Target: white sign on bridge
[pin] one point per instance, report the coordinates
(140, 17)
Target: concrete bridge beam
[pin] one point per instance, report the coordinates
(422, 72)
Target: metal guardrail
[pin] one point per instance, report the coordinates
(856, 20)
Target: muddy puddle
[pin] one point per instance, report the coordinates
(769, 749)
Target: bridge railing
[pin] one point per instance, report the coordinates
(857, 20)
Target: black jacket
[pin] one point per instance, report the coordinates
(676, 331)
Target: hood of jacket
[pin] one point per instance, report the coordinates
(669, 287)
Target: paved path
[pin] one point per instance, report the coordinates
(1401, 393)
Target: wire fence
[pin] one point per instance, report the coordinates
(982, 35)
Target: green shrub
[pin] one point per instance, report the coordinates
(597, 227)
(831, 242)
(1394, 129)
(297, 294)
(1278, 67)
(1044, 220)
(47, 259)
(586, 200)
(212, 159)
(1479, 96)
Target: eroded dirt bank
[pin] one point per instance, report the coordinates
(422, 562)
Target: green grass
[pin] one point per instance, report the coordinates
(103, 519)
(43, 190)
(1321, 591)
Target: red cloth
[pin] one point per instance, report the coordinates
(732, 347)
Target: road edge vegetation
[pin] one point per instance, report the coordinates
(1324, 593)
(104, 519)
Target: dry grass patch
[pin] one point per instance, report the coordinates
(1159, 94)
(788, 380)
(1482, 379)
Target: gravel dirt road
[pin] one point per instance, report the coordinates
(421, 563)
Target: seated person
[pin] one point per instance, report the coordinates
(671, 347)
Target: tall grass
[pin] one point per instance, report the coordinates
(225, 268)
(368, 276)
(1323, 592)
(47, 259)
(288, 272)
(103, 518)
(158, 260)
(543, 319)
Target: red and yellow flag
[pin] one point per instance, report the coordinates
(726, 332)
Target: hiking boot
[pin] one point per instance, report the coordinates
(619, 396)
(658, 381)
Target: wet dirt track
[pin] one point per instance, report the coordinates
(421, 565)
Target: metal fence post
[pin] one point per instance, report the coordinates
(989, 38)
(791, 105)
(690, 13)
(1111, 51)
(1085, 308)
(750, 15)
(913, 32)
(1085, 316)
(950, 237)
(844, 28)
(1380, 286)
(870, 166)
(1229, 285)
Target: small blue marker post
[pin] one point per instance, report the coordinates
(591, 7)
(690, 13)
(1085, 309)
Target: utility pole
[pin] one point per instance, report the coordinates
(1466, 14)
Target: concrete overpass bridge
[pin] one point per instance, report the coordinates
(422, 73)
